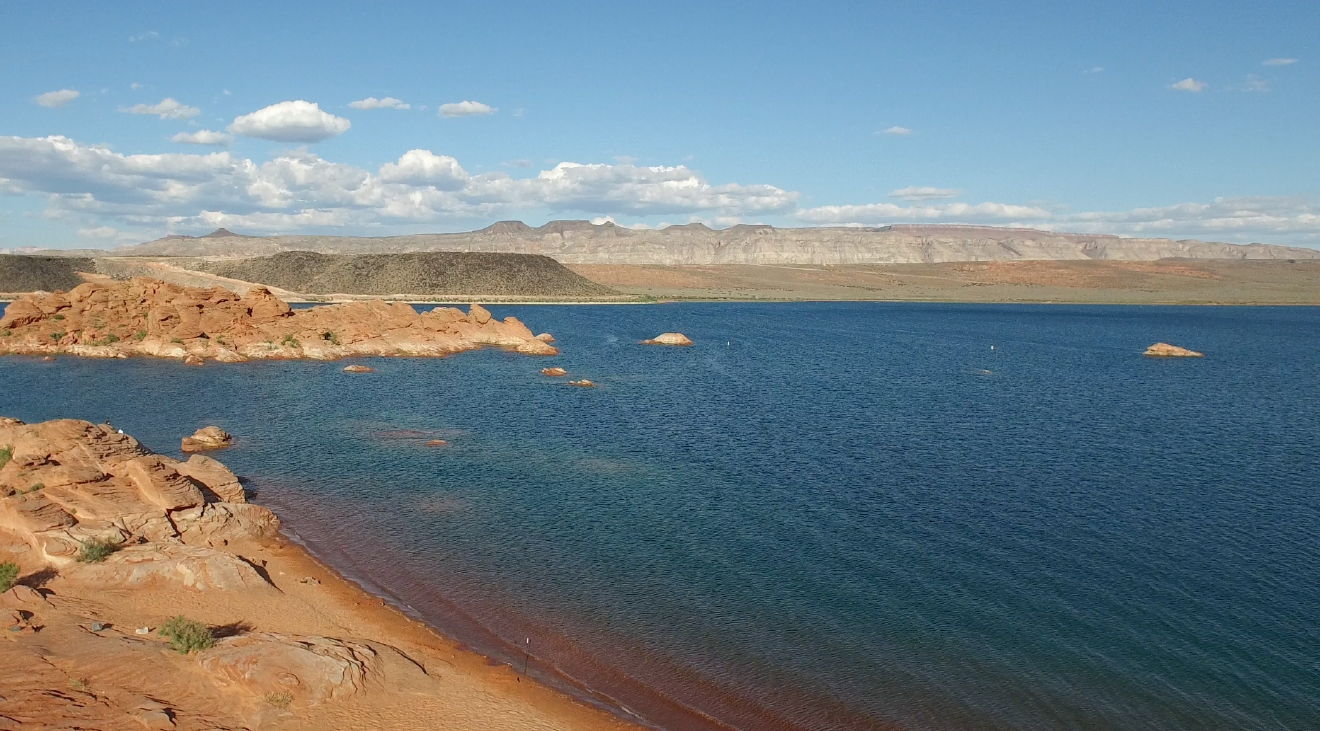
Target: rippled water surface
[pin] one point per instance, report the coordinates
(823, 516)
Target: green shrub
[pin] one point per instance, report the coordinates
(38, 486)
(6, 454)
(57, 335)
(6, 333)
(57, 317)
(176, 341)
(140, 335)
(187, 635)
(8, 575)
(95, 550)
(289, 340)
(280, 699)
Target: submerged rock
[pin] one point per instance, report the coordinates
(555, 371)
(436, 443)
(1164, 350)
(357, 369)
(668, 339)
(208, 437)
(584, 383)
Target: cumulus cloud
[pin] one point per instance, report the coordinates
(1188, 84)
(423, 167)
(56, 98)
(372, 102)
(291, 121)
(298, 189)
(203, 137)
(896, 130)
(465, 109)
(1279, 62)
(168, 108)
(915, 193)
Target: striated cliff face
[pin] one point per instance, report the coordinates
(150, 317)
(581, 242)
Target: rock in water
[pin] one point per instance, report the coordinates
(584, 383)
(436, 443)
(555, 371)
(357, 369)
(208, 437)
(668, 339)
(546, 338)
(1164, 350)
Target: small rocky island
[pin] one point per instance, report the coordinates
(1164, 350)
(149, 317)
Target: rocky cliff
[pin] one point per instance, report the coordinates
(581, 242)
(149, 317)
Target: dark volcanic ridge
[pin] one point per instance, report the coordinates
(582, 242)
(19, 273)
(422, 273)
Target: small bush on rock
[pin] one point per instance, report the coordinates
(95, 550)
(187, 636)
(8, 575)
(281, 699)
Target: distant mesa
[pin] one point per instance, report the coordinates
(695, 244)
(207, 438)
(555, 371)
(1164, 350)
(678, 339)
(224, 233)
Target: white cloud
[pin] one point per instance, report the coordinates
(915, 193)
(896, 130)
(882, 213)
(135, 86)
(1189, 84)
(101, 232)
(168, 108)
(423, 167)
(150, 35)
(465, 109)
(56, 98)
(1254, 83)
(1279, 62)
(1095, 70)
(372, 102)
(202, 137)
(298, 189)
(291, 121)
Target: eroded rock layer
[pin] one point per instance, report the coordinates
(150, 317)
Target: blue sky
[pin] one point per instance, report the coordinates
(1173, 119)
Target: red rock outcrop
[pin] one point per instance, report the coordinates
(208, 437)
(668, 339)
(150, 317)
(1164, 350)
(68, 482)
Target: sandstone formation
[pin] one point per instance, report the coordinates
(1164, 350)
(668, 339)
(546, 338)
(149, 317)
(554, 371)
(357, 369)
(582, 242)
(584, 383)
(71, 482)
(208, 437)
(315, 669)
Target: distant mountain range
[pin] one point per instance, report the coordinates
(582, 242)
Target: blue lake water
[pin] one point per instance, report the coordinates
(822, 516)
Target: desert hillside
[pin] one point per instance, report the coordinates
(430, 273)
(49, 273)
(582, 242)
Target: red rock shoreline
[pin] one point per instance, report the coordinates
(148, 317)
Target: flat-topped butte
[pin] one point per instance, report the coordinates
(149, 317)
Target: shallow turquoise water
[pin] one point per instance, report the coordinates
(823, 515)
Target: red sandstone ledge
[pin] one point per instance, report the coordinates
(149, 317)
